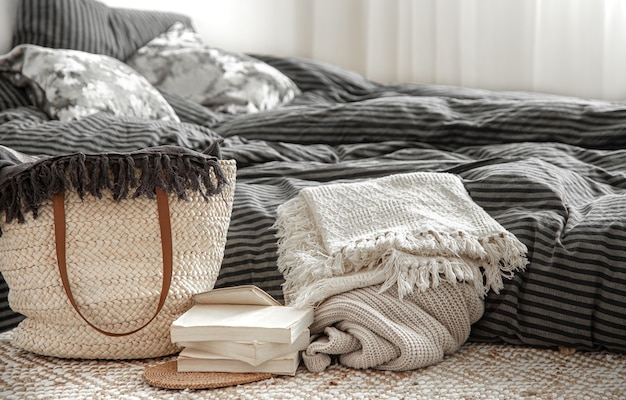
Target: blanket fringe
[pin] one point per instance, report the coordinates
(409, 260)
(25, 187)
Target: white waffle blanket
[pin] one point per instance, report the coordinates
(410, 230)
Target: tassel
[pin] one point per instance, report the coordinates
(142, 185)
(15, 210)
(58, 180)
(82, 176)
(131, 171)
(25, 190)
(156, 175)
(93, 186)
(120, 183)
(173, 169)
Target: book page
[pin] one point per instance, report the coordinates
(243, 294)
(231, 315)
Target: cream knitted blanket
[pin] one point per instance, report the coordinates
(409, 230)
(369, 329)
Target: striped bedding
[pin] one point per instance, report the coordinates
(550, 169)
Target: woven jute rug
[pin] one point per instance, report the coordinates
(477, 371)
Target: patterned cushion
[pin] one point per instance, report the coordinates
(70, 84)
(90, 26)
(179, 62)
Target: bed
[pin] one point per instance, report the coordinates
(550, 169)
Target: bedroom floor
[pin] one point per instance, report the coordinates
(477, 371)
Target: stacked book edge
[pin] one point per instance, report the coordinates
(241, 329)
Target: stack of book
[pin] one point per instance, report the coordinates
(241, 329)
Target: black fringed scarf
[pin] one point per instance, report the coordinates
(25, 186)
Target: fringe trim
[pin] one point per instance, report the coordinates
(409, 260)
(25, 187)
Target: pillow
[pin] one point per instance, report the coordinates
(90, 26)
(70, 84)
(179, 62)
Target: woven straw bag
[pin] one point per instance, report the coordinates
(103, 276)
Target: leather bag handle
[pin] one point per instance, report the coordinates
(58, 202)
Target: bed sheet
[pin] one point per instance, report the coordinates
(550, 169)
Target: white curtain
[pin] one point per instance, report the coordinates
(572, 47)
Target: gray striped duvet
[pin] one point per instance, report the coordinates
(550, 169)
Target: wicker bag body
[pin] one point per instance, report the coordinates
(106, 278)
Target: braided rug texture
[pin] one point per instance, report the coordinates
(476, 371)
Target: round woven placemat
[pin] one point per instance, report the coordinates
(167, 376)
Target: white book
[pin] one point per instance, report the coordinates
(241, 322)
(242, 294)
(191, 360)
(253, 353)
